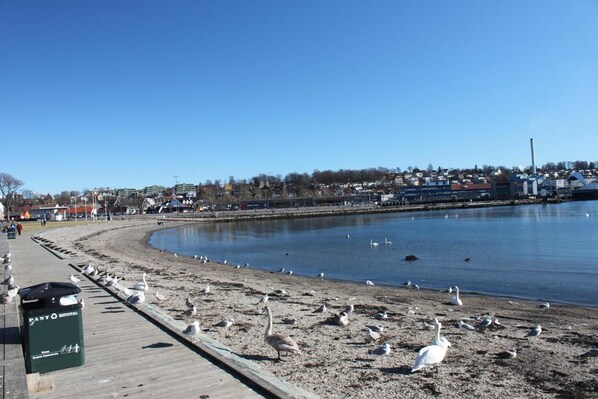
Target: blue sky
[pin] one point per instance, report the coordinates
(132, 93)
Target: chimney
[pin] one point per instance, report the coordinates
(531, 143)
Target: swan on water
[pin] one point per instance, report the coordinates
(431, 355)
(141, 286)
(280, 341)
(456, 300)
(192, 328)
(387, 241)
(373, 244)
(535, 331)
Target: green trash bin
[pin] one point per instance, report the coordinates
(51, 327)
(12, 234)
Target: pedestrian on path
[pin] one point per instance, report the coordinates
(19, 228)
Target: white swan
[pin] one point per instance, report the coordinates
(431, 355)
(456, 300)
(141, 286)
(368, 282)
(442, 341)
(280, 341)
(373, 244)
(387, 242)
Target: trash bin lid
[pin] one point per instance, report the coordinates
(48, 290)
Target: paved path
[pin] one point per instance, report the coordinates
(125, 354)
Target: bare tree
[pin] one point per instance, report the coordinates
(8, 187)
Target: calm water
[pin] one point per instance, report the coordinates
(536, 252)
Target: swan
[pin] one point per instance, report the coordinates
(142, 286)
(431, 355)
(368, 282)
(192, 328)
(387, 241)
(279, 341)
(442, 341)
(373, 244)
(456, 300)
(342, 319)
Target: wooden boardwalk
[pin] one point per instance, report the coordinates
(130, 353)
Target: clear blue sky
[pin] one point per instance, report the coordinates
(132, 93)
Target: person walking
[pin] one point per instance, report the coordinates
(19, 228)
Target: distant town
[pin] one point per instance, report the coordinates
(379, 187)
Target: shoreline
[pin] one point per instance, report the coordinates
(338, 362)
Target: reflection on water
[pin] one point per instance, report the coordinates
(537, 251)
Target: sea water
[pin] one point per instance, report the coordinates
(544, 252)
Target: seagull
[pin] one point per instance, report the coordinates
(112, 282)
(206, 290)
(456, 300)
(368, 282)
(485, 323)
(431, 355)
(81, 303)
(281, 270)
(8, 268)
(372, 336)
(591, 353)
(544, 305)
(535, 331)
(280, 341)
(136, 299)
(191, 311)
(342, 319)
(381, 315)
(192, 328)
(88, 269)
(376, 327)
(189, 303)
(226, 323)
(263, 299)
(464, 326)
(384, 349)
(321, 309)
(10, 280)
(468, 259)
(321, 275)
(350, 308)
(508, 354)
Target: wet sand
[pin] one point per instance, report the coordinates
(337, 361)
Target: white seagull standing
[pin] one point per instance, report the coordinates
(383, 349)
(192, 328)
(74, 280)
(136, 298)
(206, 290)
(535, 331)
(263, 299)
(456, 300)
(431, 355)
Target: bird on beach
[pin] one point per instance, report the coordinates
(440, 340)
(342, 319)
(282, 342)
(321, 275)
(593, 352)
(455, 300)
(368, 282)
(189, 303)
(159, 296)
(8, 268)
(9, 281)
(383, 349)
(544, 305)
(381, 315)
(508, 354)
(535, 331)
(192, 329)
(191, 312)
(136, 299)
(376, 327)
(88, 269)
(465, 326)
(226, 323)
(263, 299)
(371, 335)
(431, 355)
(350, 308)
(143, 285)
(321, 309)
(206, 289)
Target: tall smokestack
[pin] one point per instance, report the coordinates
(531, 143)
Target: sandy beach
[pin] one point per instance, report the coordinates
(338, 361)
